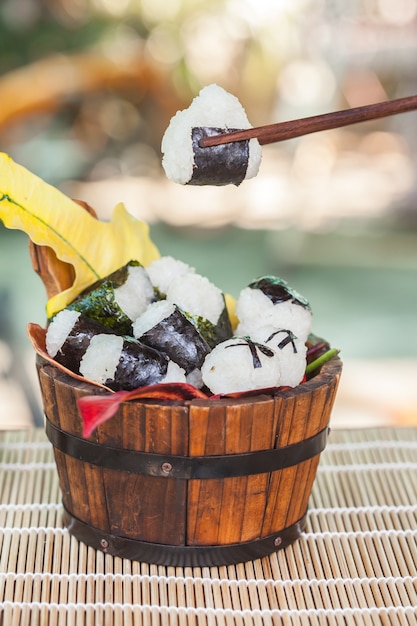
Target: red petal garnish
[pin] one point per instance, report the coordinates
(96, 410)
(315, 349)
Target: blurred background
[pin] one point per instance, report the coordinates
(87, 88)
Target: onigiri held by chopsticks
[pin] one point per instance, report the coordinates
(212, 112)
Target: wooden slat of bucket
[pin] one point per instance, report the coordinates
(156, 505)
(304, 473)
(227, 510)
(253, 489)
(205, 495)
(291, 415)
(82, 485)
(300, 416)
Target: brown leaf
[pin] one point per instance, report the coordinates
(55, 274)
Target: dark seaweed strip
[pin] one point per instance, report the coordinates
(254, 347)
(223, 327)
(139, 365)
(77, 342)
(212, 333)
(220, 165)
(100, 305)
(278, 290)
(98, 302)
(290, 338)
(177, 337)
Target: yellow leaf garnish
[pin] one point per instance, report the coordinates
(231, 309)
(49, 218)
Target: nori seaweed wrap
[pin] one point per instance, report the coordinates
(125, 363)
(166, 328)
(204, 305)
(218, 165)
(278, 290)
(269, 304)
(118, 299)
(68, 337)
(213, 333)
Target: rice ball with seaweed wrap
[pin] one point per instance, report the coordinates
(204, 304)
(68, 336)
(122, 363)
(240, 364)
(212, 112)
(270, 301)
(118, 299)
(166, 328)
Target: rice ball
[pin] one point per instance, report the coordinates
(239, 364)
(291, 351)
(270, 301)
(197, 296)
(164, 270)
(213, 111)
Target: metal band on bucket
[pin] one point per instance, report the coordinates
(182, 555)
(185, 467)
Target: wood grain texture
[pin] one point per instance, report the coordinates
(222, 511)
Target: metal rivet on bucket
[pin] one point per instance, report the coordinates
(277, 541)
(166, 467)
(104, 543)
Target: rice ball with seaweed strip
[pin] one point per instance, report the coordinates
(204, 304)
(240, 364)
(270, 301)
(118, 299)
(290, 350)
(212, 112)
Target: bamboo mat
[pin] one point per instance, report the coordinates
(356, 564)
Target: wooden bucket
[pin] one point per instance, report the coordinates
(199, 483)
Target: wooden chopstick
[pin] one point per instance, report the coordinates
(296, 128)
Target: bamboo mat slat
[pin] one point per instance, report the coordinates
(356, 564)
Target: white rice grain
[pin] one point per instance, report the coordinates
(164, 270)
(101, 358)
(59, 329)
(136, 293)
(197, 296)
(174, 374)
(154, 314)
(254, 309)
(229, 368)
